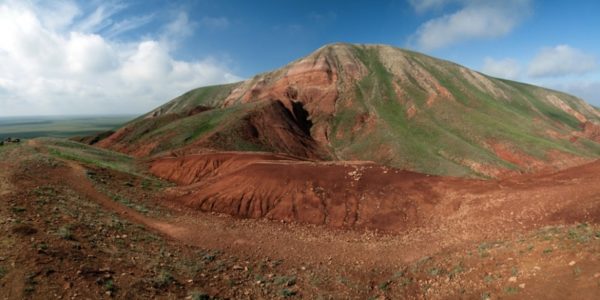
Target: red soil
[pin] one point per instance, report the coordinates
(272, 126)
(456, 221)
(366, 195)
(591, 131)
(556, 160)
(313, 81)
(339, 195)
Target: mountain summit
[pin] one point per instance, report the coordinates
(376, 103)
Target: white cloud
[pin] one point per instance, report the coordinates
(126, 25)
(89, 53)
(177, 30)
(180, 26)
(562, 60)
(504, 68)
(424, 5)
(475, 19)
(100, 18)
(54, 68)
(57, 15)
(150, 62)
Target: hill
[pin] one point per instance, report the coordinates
(376, 103)
(261, 189)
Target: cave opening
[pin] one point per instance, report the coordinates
(302, 117)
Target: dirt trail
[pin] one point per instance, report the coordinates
(79, 182)
(467, 229)
(482, 211)
(77, 179)
(314, 245)
(454, 213)
(5, 186)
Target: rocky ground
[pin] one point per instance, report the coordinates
(79, 229)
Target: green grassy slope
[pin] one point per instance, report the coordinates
(89, 155)
(438, 138)
(185, 130)
(209, 96)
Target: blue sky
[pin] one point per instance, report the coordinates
(108, 57)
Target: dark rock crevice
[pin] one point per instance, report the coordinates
(302, 117)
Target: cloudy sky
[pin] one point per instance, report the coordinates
(127, 57)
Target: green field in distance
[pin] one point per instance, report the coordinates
(58, 126)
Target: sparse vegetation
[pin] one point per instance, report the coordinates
(457, 270)
(286, 293)
(200, 296)
(30, 283)
(18, 209)
(483, 249)
(285, 280)
(577, 271)
(163, 279)
(90, 155)
(125, 201)
(384, 286)
(42, 247)
(110, 286)
(209, 257)
(435, 271)
(65, 233)
(511, 290)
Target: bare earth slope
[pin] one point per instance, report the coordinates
(366, 195)
(377, 103)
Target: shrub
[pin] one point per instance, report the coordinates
(163, 279)
(17, 209)
(110, 286)
(288, 293)
(200, 296)
(511, 290)
(285, 280)
(65, 233)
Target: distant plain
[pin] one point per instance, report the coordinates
(58, 126)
